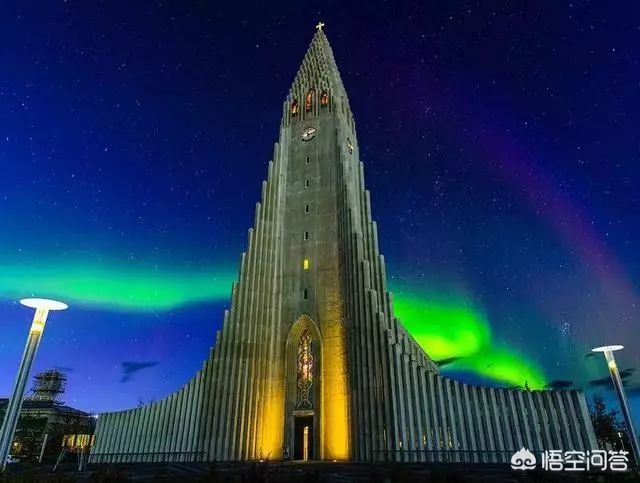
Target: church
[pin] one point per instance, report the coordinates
(311, 363)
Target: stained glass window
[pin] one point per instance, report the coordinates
(305, 372)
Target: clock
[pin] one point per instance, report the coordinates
(308, 133)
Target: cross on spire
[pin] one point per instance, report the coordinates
(319, 26)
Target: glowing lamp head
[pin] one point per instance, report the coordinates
(42, 306)
(45, 304)
(608, 348)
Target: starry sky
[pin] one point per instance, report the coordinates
(500, 145)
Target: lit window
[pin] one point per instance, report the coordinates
(324, 99)
(294, 108)
(308, 101)
(305, 294)
(306, 208)
(307, 183)
(306, 235)
(305, 264)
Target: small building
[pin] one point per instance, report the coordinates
(43, 413)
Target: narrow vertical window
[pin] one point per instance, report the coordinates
(305, 264)
(308, 160)
(305, 294)
(308, 103)
(306, 208)
(324, 99)
(294, 108)
(307, 183)
(306, 235)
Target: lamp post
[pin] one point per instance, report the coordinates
(608, 351)
(42, 308)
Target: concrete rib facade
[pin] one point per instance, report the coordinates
(363, 388)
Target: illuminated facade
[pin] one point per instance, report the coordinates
(311, 362)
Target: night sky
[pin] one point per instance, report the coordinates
(500, 144)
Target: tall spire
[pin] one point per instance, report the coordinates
(318, 74)
(318, 69)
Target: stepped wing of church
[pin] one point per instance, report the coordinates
(311, 362)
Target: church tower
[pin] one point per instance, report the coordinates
(311, 362)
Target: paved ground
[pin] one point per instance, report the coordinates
(297, 472)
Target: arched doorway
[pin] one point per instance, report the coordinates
(303, 384)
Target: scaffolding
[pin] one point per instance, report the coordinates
(48, 385)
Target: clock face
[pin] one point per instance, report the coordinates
(308, 134)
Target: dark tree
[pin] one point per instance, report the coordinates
(29, 433)
(606, 425)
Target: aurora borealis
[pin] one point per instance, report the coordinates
(124, 290)
(500, 147)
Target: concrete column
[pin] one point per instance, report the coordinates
(172, 422)
(442, 416)
(433, 415)
(217, 397)
(488, 423)
(498, 424)
(529, 431)
(119, 441)
(516, 431)
(159, 430)
(452, 419)
(554, 428)
(139, 435)
(580, 404)
(254, 376)
(183, 426)
(544, 422)
(417, 403)
(103, 438)
(563, 419)
(223, 377)
(507, 421)
(403, 419)
(241, 317)
(244, 323)
(99, 445)
(260, 328)
(463, 423)
(409, 441)
(574, 424)
(534, 422)
(176, 427)
(470, 422)
(151, 432)
(483, 445)
(207, 436)
(423, 407)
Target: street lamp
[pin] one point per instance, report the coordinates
(608, 351)
(42, 307)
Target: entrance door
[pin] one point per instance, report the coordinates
(303, 447)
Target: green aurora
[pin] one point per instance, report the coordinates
(444, 328)
(450, 329)
(117, 288)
